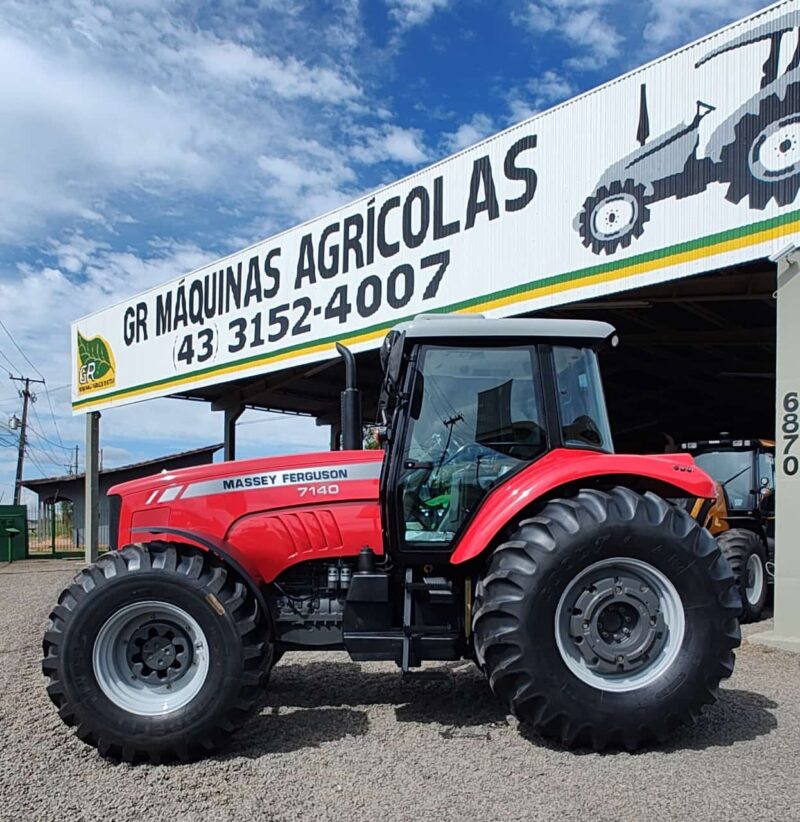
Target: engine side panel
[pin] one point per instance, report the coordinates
(275, 541)
(564, 466)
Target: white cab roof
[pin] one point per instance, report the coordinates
(476, 325)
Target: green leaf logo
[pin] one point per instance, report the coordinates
(95, 351)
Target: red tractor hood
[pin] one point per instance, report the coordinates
(266, 513)
(262, 472)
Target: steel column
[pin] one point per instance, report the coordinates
(91, 524)
(786, 633)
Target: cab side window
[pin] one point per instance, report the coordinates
(580, 399)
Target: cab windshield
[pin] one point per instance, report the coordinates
(476, 414)
(734, 470)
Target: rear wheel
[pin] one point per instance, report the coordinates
(747, 556)
(156, 653)
(607, 619)
(763, 160)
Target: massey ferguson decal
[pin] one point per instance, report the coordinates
(543, 213)
(755, 150)
(275, 479)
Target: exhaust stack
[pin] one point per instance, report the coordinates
(352, 437)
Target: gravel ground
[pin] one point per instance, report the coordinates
(341, 740)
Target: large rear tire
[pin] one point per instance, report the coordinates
(763, 160)
(608, 619)
(156, 653)
(747, 556)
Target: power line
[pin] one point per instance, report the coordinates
(43, 381)
(50, 390)
(26, 401)
(24, 355)
(52, 456)
(44, 456)
(38, 465)
(53, 415)
(48, 441)
(11, 364)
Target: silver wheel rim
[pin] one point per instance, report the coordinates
(775, 153)
(614, 216)
(604, 601)
(755, 579)
(150, 658)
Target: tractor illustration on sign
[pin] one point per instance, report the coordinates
(755, 151)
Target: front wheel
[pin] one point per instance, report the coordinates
(156, 653)
(608, 619)
(613, 216)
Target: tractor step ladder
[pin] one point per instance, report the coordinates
(410, 630)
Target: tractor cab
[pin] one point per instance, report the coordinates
(742, 517)
(467, 402)
(745, 472)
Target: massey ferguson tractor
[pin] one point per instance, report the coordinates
(496, 525)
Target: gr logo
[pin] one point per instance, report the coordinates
(96, 366)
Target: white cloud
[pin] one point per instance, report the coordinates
(677, 22)
(39, 303)
(102, 97)
(404, 145)
(391, 143)
(469, 133)
(308, 179)
(409, 13)
(538, 94)
(289, 78)
(584, 24)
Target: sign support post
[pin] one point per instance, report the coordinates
(92, 514)
(786, 633)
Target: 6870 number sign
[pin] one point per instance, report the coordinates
(790, 428)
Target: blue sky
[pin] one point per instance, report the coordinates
(143, 138)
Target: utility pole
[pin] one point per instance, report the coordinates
(27, 397)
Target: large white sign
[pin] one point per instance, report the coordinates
(689, 164)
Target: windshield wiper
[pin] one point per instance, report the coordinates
(737, 474)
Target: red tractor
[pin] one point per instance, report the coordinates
(497, 525)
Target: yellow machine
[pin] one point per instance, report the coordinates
(742, 517)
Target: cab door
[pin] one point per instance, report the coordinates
(472, 415)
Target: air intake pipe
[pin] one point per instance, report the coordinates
(352, 437)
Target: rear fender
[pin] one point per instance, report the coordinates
(666, 474)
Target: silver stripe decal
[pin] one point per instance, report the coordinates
(152, 497)
(170, 493)
(283, 477)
